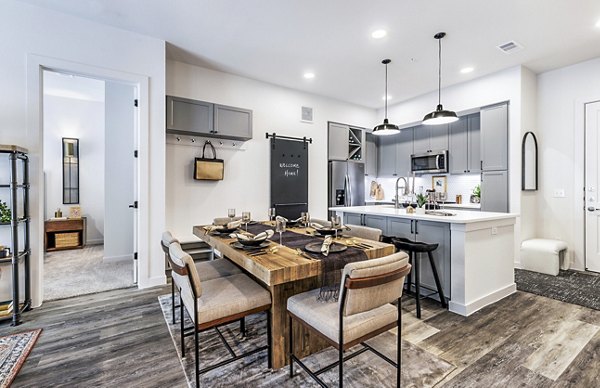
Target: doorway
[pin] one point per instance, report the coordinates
(592, 182)
(99, 116)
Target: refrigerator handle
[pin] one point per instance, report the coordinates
(345, 190)
(349, 191)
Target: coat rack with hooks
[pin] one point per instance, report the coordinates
(198, 141)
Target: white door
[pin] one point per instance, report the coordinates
(592, 181)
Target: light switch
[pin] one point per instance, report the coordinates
(559, 193)
(494, 230)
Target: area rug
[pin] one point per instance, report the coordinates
(83, 271)
(419, 368)
(569, 286)
(14, 349)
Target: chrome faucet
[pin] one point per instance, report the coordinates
(406, 191)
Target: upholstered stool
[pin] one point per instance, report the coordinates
(414, 249)
(544, 255)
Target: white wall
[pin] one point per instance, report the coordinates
(34, 36)
(119, 178)
(561, 96)
(84, 120)
(498, 87)
(246, 183)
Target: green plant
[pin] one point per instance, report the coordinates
(421, 200)
(5, 213)
(477, 191)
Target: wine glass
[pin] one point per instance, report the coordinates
(272, 213)
(246, 218)
(280, 228)
(305, 218)
(231, 214)
(335, 223)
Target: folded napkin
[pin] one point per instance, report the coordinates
(230, 225)
(326, 244)
(248, 237)
(316, 226)
(292, 221)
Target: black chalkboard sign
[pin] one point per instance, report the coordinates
(289, 177)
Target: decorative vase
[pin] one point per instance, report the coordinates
(420, 210)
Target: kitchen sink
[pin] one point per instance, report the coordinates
(439, 213)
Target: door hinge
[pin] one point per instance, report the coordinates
(135, 102)
(135, 256)
(134, 205)
(135, 153)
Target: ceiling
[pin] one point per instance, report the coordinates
(277, 41)
(73, 86)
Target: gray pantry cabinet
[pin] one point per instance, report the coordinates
(494, 191)
(494, 137)
(200, 118)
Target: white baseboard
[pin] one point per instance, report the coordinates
(113, 259)
(152, 282)
(94, 242)
(470, 308)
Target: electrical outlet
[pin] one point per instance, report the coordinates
(559, 193)
(494, 230)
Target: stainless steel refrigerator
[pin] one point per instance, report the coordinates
(346, 184)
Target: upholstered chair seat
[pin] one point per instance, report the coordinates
(365, 232)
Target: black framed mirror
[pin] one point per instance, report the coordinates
(529, 162)
(70, 157)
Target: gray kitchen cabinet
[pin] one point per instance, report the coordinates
(371, 155)
(404, 149)
(474, 144)
(464, 145)
(386, 156)
(400, 227)
(494, 191)
(378, 222)
(338, 141)
(439, 233)
(353, 219)
(494, 137)
(428, 138)
(186, 116)
(232, 123)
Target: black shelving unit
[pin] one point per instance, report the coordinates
(19, 197)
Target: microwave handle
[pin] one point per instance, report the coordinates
(437, 161)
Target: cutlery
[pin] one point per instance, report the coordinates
(303, 254)
(258, 253)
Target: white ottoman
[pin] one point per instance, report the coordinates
(544, 255)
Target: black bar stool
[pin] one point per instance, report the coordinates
(414, 248)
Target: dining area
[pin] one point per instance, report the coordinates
(314, 283)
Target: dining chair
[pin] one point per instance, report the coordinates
(207, 270)
(215, 303)
(365, 232)
(363, 311)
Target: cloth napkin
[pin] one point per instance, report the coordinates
(248, 237)
(316, 226)
(326, 244)
(230, 225)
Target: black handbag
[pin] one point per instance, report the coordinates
(209, 169)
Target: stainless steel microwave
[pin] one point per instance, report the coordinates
(429, 162)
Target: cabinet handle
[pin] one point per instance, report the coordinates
(481, 164)
(416, 226)
(411, 226)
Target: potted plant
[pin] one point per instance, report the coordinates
(421, 201)
(5, 213)
(476, 196)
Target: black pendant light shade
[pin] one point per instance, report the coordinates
(440, 115)
(386, 128)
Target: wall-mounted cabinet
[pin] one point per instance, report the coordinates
(465, 145)
(430, 138)
(494, 137)
(370, 155)
(201, 118)
(346, 142)
(393, 158)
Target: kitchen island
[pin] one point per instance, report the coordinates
(475, 255)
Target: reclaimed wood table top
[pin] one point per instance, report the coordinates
(283, 264)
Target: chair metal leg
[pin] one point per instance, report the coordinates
(291, 351)
(399, 344)
(197, 361)
(409, 277)
(173, 299)
(341, 352)
(243, 327)
(269, 344)
(181, 326)
(417, 260)
(436, 277)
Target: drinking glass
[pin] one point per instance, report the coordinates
(272, 213)
(280, 228)
(246, 218)
(336, 221)
(231, 214)
(305, 218)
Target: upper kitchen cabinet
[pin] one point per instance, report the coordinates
(404, 149)
(345, 142)
(386, 156)
(464, 141)
(429, 138)
(201, 118)
(370, 156)
(494, 137)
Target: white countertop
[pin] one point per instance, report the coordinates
(460, 217)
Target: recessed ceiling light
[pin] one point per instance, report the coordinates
(378, 34)
(388, 97)
(466, 70)
(309, 75)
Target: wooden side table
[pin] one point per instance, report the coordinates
(64, 234)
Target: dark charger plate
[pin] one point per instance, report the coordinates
(225, 231)
(327, 231)
(333, 248)
(236, 244)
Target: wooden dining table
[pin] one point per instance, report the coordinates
(286, 272)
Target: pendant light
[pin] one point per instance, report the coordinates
(386, 128)
(439, 115)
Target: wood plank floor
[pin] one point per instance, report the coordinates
(119, 338)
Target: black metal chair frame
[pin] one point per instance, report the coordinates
(414, 253)
(198, 328)
(350, 284)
